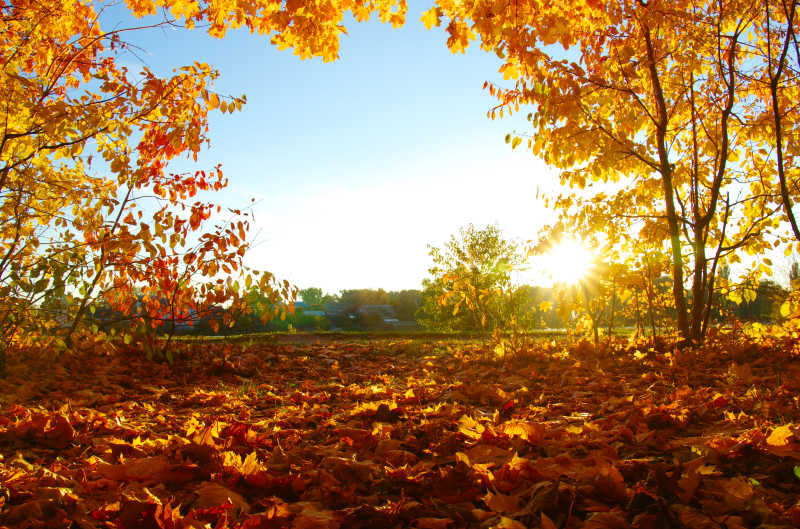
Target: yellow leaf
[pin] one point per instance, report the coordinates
(529, 431)
(574, 429)
(470, 427)
(250, 464)
(509, 71)
(780, 436)
(430, 18)
(508, 523)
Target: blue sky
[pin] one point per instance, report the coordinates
(358, 164)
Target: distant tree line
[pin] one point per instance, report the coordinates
(316, 311)
(470, 289)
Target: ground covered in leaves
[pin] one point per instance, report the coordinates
(392, 433)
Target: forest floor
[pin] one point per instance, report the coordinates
(400, 432)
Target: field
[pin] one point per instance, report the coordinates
(392, 431)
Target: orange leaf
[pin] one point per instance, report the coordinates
(547, 523)
(780, 436)
(502, 503)
(433, 523)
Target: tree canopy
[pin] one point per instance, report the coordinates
(89, 209)
(684, 108)
(688, 111)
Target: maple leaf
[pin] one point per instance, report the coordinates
(470, 427)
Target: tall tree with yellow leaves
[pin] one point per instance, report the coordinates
(653, 98)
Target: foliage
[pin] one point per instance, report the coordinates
(315, 299)
(679, 107)
(468, 277)
(311, 296)
(307, 435)
(765, 306)
(352, 300)
(89, 211)
(651, 285)
(405, 303)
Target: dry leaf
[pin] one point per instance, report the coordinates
(213, 494)
(780, 436)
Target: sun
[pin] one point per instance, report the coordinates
(568, 262)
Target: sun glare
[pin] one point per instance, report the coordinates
(568, 262)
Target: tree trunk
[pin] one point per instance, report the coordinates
(776, 114)
(650, 291)
(699, 301)
(611, 313)
(666, 169)
(678, 293)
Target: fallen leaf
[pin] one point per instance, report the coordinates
(312, 516)
(780, 436)
(502, 503)
(432, 523)
(547, 523)
(485, 453)
(528, 431)
(508, 523)
(213, 494)
(606, 520)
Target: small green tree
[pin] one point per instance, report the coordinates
(468, 281)
(311, 296)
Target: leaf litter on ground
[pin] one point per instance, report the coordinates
(405, 433)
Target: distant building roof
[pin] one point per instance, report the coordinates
(335, 308)
(386, 311)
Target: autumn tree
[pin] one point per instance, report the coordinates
(654, 100)
(83, 144)
(469, 276)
